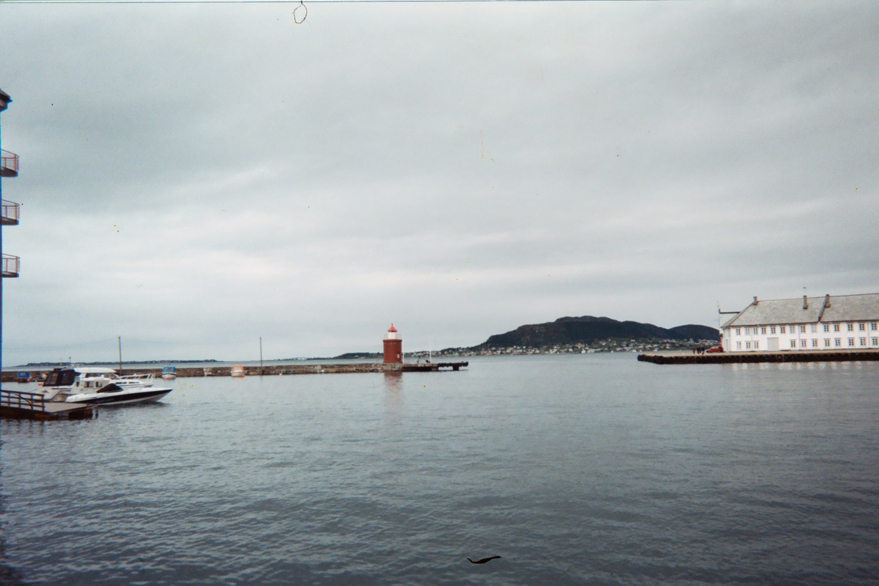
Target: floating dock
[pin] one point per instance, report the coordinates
(26, 405)
(748, 357)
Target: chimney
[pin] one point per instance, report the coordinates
(755, 300)
(827, 300)
(805, 302)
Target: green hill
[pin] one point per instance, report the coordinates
(589, 329)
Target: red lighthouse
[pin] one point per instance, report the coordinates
(393, 347)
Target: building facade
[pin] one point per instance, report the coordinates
(844, 322)
(9, 210)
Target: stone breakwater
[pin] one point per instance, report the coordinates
(750, 357)
(356, 367)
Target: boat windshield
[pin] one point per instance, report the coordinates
(61, 377)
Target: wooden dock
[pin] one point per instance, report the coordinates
(26, 405)
(756, 357)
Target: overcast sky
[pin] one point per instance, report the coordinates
(195, 176)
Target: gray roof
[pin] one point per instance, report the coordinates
(824, 309)
(852, 308)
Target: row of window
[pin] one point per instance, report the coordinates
(837, 342)
(813, 328)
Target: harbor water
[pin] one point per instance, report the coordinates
(576, 469)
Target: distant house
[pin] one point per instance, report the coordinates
(844, 322)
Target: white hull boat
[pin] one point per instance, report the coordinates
(115, 395)
(100, 386)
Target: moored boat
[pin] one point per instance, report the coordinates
(99, 386)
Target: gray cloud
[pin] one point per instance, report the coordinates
(197, 176)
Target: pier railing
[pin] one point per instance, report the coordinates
(10, 266)
(9, 211)
(22, 400)
(8, 164)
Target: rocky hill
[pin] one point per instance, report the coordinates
(589, 329)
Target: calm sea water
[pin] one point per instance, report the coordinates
(590, 469)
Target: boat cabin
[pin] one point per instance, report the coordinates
(84, 377)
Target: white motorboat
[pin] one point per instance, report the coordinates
(91, 385)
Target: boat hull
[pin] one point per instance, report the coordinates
(126, 397)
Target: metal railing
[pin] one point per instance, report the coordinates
(11, 265)
(8, 162)
(9, 211)
(22, 400)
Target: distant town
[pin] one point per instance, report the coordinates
(599, 346)
(567, 335)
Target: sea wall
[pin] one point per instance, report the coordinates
(748, 357)
(354, 367)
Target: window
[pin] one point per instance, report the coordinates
(793, 343)
(738, 345)
(802, 343)
(837, 342)
(851, 341)
(835, 327)
(771, 329)
(863, 341)
(756, 345)
(876, 341)
(738, 331)
(748, 345)
(826, 327)
(862, 327)
(782, 329)
(814, 328)
(814, 342)
(763, 330)
(803, 329)
(873, 326)
(851, 327)
(827, 342)
(747, 331)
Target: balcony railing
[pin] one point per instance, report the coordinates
(9, 213)
(10, 266)
(8, 164)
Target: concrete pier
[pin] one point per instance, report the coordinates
(278, 369)
(748, 357)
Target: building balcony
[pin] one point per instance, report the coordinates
(10, 266)
(9, 213)
(8, 164)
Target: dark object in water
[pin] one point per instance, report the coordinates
(483, 560)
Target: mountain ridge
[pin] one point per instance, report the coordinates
(587, 329)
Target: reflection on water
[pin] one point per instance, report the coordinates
(8, 574)
(393, 397)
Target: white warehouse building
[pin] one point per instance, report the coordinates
(845, 322)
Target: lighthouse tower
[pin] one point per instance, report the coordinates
(393, 347)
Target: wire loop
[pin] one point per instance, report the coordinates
(304, 14)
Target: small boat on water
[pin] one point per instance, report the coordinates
(90, 385)
(169, 373)
(132, 379)
(238, 371)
